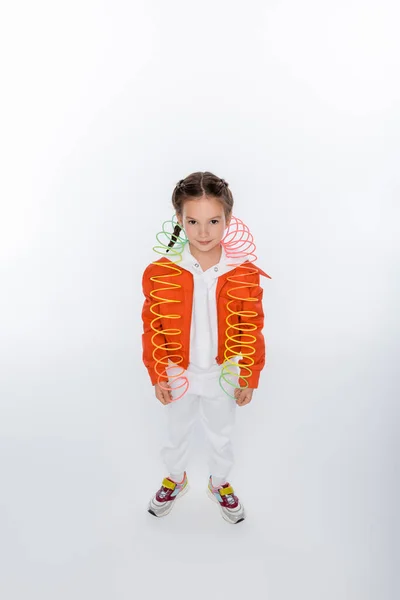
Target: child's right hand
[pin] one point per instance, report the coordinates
(164, 396)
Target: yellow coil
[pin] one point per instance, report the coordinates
(166, 349)
(239, 244)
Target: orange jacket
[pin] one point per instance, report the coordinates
(168, 304)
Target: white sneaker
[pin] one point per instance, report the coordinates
(164, 499)
(231, 508)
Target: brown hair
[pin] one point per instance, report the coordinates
(197, 185)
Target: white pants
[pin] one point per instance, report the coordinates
(217, 412)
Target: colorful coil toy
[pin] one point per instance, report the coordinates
(239, 245)
(178, 380)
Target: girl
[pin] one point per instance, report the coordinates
(204, 342)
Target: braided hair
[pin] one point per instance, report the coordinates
(197, 185)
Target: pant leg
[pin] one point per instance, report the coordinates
(218, 413)
(181, 416)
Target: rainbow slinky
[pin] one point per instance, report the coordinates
(238, 243)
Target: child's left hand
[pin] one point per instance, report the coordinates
(243, 396)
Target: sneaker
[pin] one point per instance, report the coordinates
(164, 499)
(231, 508)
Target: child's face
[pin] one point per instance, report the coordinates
(203, 220)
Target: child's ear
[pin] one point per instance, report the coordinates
(179, 219)
(228, 220)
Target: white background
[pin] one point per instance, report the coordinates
(105, 106)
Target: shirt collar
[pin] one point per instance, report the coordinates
(190, 263)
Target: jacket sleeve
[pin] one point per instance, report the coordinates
(259, 356)
(152, 337)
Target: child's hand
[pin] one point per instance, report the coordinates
(164, 396)
(243, 396)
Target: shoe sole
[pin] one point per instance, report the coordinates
(213, 498)
(171, 504)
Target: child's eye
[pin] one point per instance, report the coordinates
(213, 221)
